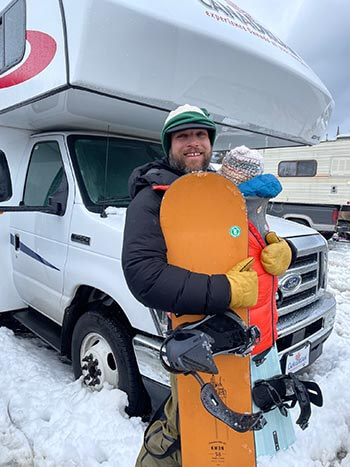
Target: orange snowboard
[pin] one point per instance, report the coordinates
(204, 222)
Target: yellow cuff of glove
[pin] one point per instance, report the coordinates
(244, 284)
(276, 256)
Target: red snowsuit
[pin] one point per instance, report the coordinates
(264, 313)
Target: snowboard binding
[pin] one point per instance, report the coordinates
(191, 347)
(284, 392)
(187, 351)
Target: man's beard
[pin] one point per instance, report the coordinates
(181, 166)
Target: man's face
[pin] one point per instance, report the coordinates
(190, 150)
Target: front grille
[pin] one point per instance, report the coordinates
(299, 298)
(308, 276)
(305, 260)
(307, 266)
(290, 340)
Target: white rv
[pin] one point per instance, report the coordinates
(85, 87)
(316, 184)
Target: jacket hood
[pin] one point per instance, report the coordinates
(157, 172)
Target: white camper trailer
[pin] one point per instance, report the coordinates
(316, 184)
(85, 87)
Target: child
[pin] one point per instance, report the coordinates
(244, 167)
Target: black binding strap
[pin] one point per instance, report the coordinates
(186, 351)
(229, 333)
(306, 392)
(240, 422)
(271, 393)
(192, 346)
(284, 392)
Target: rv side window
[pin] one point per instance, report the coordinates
(297, 168)
(103, 166)
(12, 34)
(340, 167)
(5, 179)
(45, 177)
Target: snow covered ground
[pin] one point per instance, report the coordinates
(326, 442)
(49, 420)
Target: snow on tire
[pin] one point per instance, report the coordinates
(102, 352)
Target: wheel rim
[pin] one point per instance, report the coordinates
(98, 364)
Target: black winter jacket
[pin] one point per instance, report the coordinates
(153, 281)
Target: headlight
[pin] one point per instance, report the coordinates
(324, 269)
(161, 321)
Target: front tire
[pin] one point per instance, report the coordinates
(102, 352)
(327, 235)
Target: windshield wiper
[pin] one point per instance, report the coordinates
(113, 199)
(109, 201)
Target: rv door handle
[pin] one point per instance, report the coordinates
(17, 242)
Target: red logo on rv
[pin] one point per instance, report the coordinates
(42, 50)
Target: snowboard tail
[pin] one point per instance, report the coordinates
(278, 433)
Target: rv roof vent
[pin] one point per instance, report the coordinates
(344, 136)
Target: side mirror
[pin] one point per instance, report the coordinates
(56, 206)
(5, 179)
(57, 200)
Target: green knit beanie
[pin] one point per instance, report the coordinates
(186, 117)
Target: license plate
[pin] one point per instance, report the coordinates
(298, 359)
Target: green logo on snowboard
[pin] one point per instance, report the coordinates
(235, 231)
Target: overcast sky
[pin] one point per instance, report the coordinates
(319, 31)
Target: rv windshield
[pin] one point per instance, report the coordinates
(103, 165)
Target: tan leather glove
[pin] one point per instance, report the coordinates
(276, 256)
(244, 284)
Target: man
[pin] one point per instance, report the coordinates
(188, 135)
